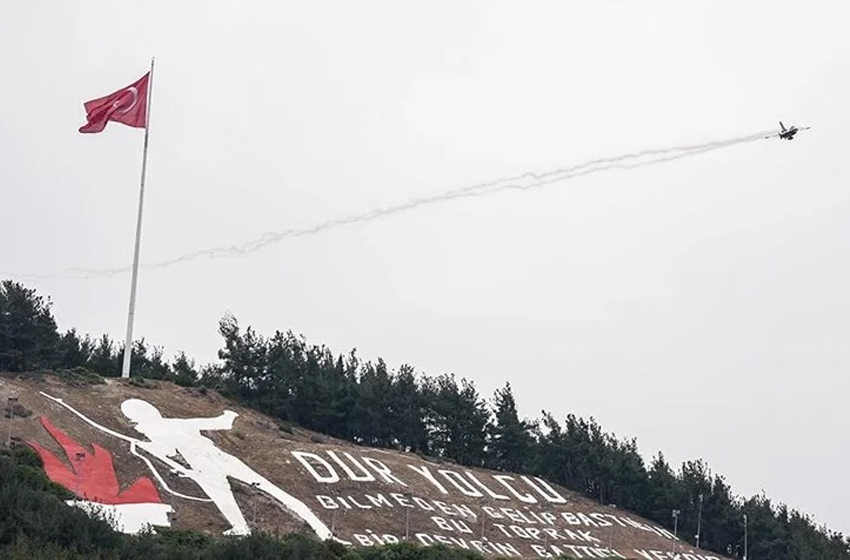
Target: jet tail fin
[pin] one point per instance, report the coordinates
(783, 126)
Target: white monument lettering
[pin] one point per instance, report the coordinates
(460, 483)
(600, 518)
(355, 469)
(533, 532)
(582, 536)
(519, 531)
(560, 552)
(549, 518)
(586, 520)
(649, 528)
(423, 470)
(570, 518)
(454, 525)
(443, 506)
(331, 476)
(586, 551)
(516, 515)
(485, 547)
(422, 504)
(369, 501)
(390, 539)
(540, 551)
(632, 523)
(491, 512)
(485, 488)
(371, 538)
(358, 504)
(327, 502)
(382, 470)
(552, 534)
(506, 549)
(528, 498)
(382, 539)
(615, 518)
(402, 501)
(328, 478)
(548, 493)
(538, 517)
(364, 540)
(557, 551)
(465, 511)
(379, 500)
(366, 476)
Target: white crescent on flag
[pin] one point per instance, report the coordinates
(135, 93)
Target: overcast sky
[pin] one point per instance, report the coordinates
(700, 305)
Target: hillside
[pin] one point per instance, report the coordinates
(194, 466)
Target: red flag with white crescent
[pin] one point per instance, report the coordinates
(128, 105)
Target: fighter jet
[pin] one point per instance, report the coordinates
(788, 133)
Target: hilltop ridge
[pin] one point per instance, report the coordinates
(306, 390)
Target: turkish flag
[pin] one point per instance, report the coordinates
(128, 105)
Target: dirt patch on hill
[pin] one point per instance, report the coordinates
(362, 495)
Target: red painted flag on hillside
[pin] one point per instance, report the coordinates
(128, 105)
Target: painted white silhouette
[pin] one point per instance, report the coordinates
(209, 466)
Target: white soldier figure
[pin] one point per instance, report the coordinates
(209, 466)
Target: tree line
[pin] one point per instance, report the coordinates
(441, 416)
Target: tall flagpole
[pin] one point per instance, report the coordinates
(128, 343)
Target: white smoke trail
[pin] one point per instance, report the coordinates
(522, 182)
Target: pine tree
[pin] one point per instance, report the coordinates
(28, 336)
(457, 420)
(408, 405)
(664, 491)
(510, 439)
